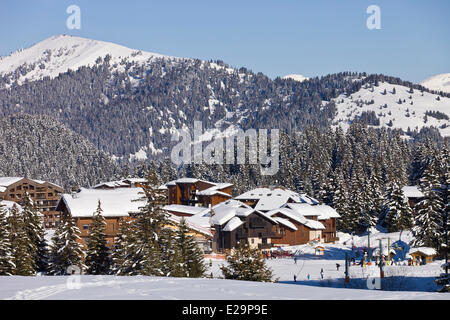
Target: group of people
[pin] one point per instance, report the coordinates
(277, 255)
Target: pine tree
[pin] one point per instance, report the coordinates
(66, 251)
(398, 213)
(428, 222)
(191, 256)
(36, 233)
(122, 256)
(98, 260)
(22, 246)
(6, 258)
(247, 264)
(146, 251)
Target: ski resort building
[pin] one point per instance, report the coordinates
(196, 192)
(125, 183)
(300, 217)
(234, 221)
(117, 204)
(44, 194)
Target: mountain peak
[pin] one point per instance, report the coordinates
(59, 53)
(296, 77)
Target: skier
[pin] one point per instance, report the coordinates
(295, 260)
(337, 266)
(295, 278)
(321, 273)
(308, 276)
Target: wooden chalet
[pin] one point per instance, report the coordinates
(196, 192)
(117, 205)
(234, 221)
(44, 194)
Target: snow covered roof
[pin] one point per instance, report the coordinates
(286, 223)
(289, 213)
(211, 192)
(111, 184)
(327, 212)
(5, 182)
(313, 224)
(224, 211)
(234, 223)
(425, 250)
(206, 230)
(114, 203)
(185, 209)
(273, 198)
(412, 192)
(214, 185)
(305, 209)
(296, 216)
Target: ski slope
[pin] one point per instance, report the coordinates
(409, 114)
(158, 288)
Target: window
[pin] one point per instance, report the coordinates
(85, 227)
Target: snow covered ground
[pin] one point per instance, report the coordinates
(137, 288)
(387, 107)
(400, 282)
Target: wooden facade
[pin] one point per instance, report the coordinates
(257, 229)
(185, 193)
(84, 224)
(329, 234)
(44, 194)
(287, 236)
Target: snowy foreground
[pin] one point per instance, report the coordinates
(111, 287)
(401, 282)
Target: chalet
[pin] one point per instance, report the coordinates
(117, 204)
(413, 194)
(122, 203)
(196, 192)
(294, 228)
(125, 183)
(44, 194)
(235, 221)
(271, 199)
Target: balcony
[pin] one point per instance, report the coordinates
(264, 246)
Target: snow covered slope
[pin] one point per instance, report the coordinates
(164, 288)
(296, 77)
(410, 113)
(440, 82)
(60, 53)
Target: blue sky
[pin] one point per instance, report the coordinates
(309, 37)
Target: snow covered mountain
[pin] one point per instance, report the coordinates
(296, 77)
(60, 53)
(395, 106)
(128, 103)
(440, 82)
